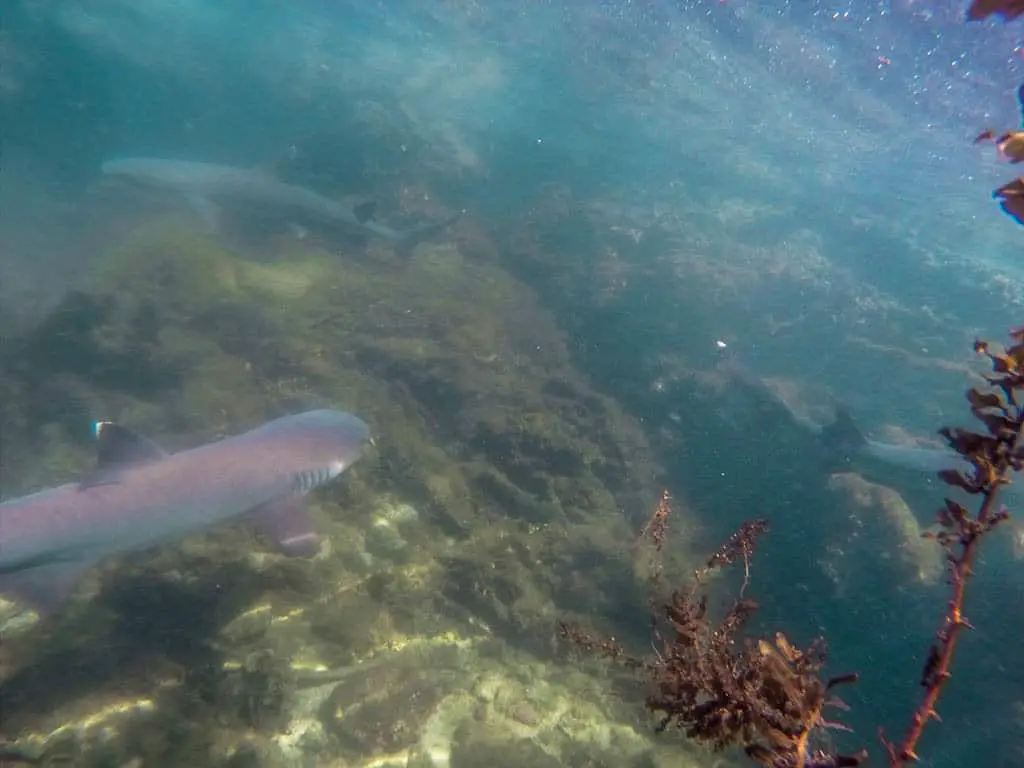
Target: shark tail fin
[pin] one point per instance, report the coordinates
(842, 437)
(408, 239)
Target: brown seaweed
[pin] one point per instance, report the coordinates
(725, 688)
(992, 454)
(721, 687)
(983, 9)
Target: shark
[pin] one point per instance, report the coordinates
(842, 440)
(138, 495)
(843, 443)
(208, 186)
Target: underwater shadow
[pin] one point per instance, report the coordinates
(151, 623)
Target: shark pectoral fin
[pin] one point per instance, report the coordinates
(118, 446)
(289, 522)
(208, 212)
(46, 588)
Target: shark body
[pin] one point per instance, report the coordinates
(140, 496)
(842, 443)
(842, 439)
(207, 186)
(912, 457)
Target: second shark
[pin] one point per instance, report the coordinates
(208, 186)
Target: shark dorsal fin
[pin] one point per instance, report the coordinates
(118, 446)
(363, 208)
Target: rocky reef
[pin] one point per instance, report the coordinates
(499, 496)
(505, 491)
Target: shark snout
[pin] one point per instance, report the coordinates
(338, 436)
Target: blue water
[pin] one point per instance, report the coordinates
(796, 180)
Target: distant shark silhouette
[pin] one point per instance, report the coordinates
(139, 496)
(842, 439)
(206, 186)
(843, 443)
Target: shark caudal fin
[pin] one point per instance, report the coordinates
(842, 438)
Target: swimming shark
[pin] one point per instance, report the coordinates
(843, 440)
(207, 186)
(843, 443)
(139, 496)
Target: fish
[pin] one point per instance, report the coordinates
(843, 436)
(843, 443)
(208, 186)
(138, 496)
(842, 440)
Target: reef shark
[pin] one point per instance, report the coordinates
(842, 440)
(207, 186)
(843, 443)
(139, 496)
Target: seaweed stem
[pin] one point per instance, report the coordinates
(993, 457)
(941, 658)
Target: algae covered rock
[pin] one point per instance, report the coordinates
(489, 448)
(383, 710)
(880, 526)
(474, 747)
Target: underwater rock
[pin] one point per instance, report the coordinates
(248, 627)
(260, 689)
(383, 539)
(475, 747)
(879, 525)
(382, 709)
(392, 520)
(246, 756)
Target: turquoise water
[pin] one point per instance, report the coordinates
(636, 182)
